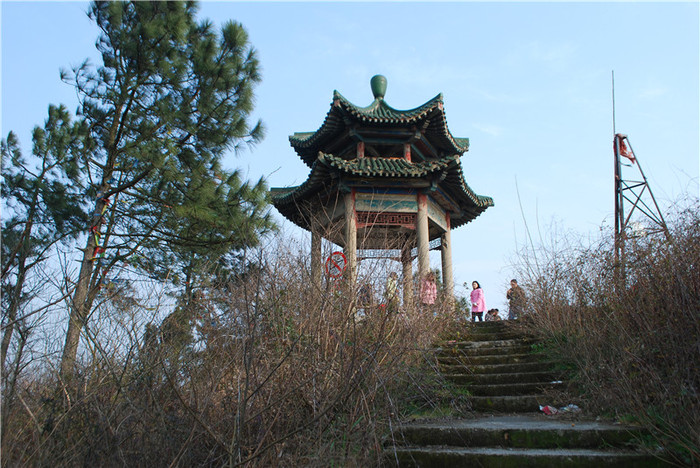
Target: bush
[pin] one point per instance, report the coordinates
(264, 369)
(634, 341)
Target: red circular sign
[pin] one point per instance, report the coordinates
(335, 264)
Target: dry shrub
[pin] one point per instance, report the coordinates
(633, 344)
(264, 369)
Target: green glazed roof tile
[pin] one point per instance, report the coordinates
(377, 114)
(287, 199)
(380, 111)
(385, 167)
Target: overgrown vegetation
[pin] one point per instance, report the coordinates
(142, 322)
(263, 369)
(634, 342)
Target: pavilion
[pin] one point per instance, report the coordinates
(382, 178)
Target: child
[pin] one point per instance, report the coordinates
(428, 292)
(492, 315)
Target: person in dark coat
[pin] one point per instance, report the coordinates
(516, 300)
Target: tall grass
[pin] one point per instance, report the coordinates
(264, 369)
(634, 342)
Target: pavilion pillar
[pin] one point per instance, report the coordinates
(407, 263)
(423, 236)
(316, 260)
(446, 251)
(350, 249)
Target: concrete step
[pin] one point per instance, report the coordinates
(518, 367)
(517, 431)
(463, 360)
(484, 348)
(469, 325)
(498, 325)
(493, 359)
(506, 378)
(489, 335)
(514, 389)
(511, 403)
(488, 457)
(533, 366)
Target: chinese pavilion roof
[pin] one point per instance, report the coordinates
(424, 127)
(329, 168)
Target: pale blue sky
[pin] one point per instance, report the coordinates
(528, 83)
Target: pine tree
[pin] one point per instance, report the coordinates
(43, 206)
(170, 99)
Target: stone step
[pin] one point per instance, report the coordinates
(502, 358)
(483, 325)
(488, 457)
(518, 367)
(484, 348)
(517, 431)
(489, 335)
(513, 389)
(466, 342)
(507, 378)
(489, 359)
(511, 403)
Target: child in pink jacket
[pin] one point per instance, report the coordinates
(478, 302)
(428, 291)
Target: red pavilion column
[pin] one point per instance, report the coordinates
(350, 249)
(423, 236)
(446, 251)
(407, 271)
(316, 255)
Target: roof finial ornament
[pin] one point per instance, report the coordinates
(378, 84)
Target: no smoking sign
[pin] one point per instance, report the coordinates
(336, 264)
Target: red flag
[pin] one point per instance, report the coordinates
(624, 151)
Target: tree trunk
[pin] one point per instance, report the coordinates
(11, 385)
(81, 302)
(12, 312)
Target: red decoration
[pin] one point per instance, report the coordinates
(624, 151)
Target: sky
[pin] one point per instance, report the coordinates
(530, 84)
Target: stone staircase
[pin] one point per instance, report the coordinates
(498, 368)
(506, 381)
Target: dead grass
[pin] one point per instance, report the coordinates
(265, 369)
(633, 345)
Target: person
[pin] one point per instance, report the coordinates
(492, 315)
(391, 293)
(428, 291)
(478, 302)
(364, 301)
(516, 300)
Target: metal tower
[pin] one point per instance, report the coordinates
(630, 198)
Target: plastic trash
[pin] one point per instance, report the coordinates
(570, 408)
(549, 410)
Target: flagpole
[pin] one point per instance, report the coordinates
(613, 102)
(619, 214)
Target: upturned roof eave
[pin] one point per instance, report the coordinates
(377, 113)
(381, 112)
(287, 199)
